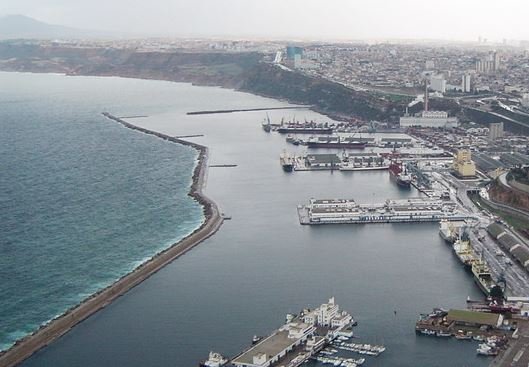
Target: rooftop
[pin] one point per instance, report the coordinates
(474, 317)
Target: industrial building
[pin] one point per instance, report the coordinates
(463, 166)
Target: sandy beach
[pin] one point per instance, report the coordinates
(61, 325)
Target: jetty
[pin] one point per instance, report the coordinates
(59, 326)
(347, 211)
(212, 112)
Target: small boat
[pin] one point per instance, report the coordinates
(427, 332)
(256, 339)
(460, 336)
(443, 334)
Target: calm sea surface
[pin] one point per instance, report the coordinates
(261, 265)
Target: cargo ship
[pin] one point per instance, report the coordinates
(307, 127)
(464, 251)
(449, 230)
(287, 162)
(336, 142)
(482, 276)
(400, 176)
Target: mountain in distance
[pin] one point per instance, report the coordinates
(23, 27)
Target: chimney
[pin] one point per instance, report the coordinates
(425, 95)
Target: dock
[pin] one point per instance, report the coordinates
(347, 211)
(311, 334)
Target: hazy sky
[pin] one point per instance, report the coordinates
(347, 19)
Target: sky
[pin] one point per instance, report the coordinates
(301, 19)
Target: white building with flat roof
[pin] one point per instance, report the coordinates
(435, 119)
(438, 83)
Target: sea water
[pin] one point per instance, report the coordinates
(262, 264)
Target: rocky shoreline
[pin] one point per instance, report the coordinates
(51, 331)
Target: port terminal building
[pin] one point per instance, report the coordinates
(296, 341)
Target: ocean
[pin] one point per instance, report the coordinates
(262, 264)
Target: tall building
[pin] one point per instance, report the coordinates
(292, 51)
(490, 63)
(429, 65)
(464, 167)
(465, 83)
(496, 130)
(438, 83)
(525, 100)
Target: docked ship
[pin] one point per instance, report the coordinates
(287, 162)
(214, 360)
(400, 176)
(336, 142)
(307, 127)
(448, 230)
(464, 251)
(267, 126)
(361, 163)
(482, 276)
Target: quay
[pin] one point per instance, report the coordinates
(189, 136)
(301, 338)
(347, 211)
(517, 354)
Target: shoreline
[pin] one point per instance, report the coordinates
(303, 105)
(47, 333)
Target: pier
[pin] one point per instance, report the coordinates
(245, 110)
(347, 211)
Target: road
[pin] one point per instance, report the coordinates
(500, 262)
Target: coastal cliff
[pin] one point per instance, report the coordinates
(244, 71)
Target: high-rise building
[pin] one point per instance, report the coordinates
(490, 63)
(496, 130)
(438, 83)
(465, 83)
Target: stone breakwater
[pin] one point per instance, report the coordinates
(59, 326)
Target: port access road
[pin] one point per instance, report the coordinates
(500, 262)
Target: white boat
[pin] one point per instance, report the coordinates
(214, 360)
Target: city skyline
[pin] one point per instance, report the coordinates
(295, 19)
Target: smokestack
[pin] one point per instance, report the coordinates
(425, 95)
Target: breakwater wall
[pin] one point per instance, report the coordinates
(59, 326)
(246, 110)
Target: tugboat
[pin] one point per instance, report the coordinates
(400, 176)
(287, 162)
